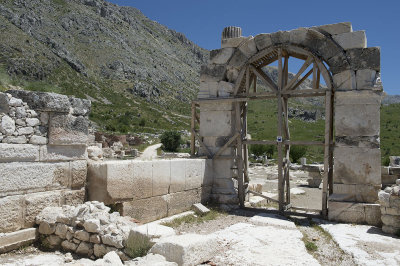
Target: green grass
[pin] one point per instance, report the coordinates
(311, 246)
(191, 219)
(137, 245)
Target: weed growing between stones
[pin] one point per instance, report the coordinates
(138, 245)
(310, 246)
(190, 219)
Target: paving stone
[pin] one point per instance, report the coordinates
(188, 249)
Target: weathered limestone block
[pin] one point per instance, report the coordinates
(161, 177)
(61, 230)
(337, 28)
(4, 103)
(43, 101)
(25, 131)
(223, 168)
(367, 79)
(194, 172)
(212, 72)
(225, 198)
(74, 197)
(84, 248)
(357, 113)
(208, 177)
(338, 63)
(213, 107)
(52, 153)
(18, 152)
(248, 47)
(354, 212)
(97, 182)
(66, 129)
(238, 59)
(15, 240)
(36, 202)
(178, 181)
(80, 106)
(365, 58)
(146, 210)
(38, 140)
(371, 142)
(188, 249)
(263, 41)
(221, 56)
(78, 173)
(223, 186)
(232, 73)
(119, 180)
(208, 89)
(233, 42)
(182, 201)
(68, 246)
(345, 80)
(355, 193)
(7, 125)
(391, 220)
(350, 40)
(216, 123)
(324, 46)
(151, 230)
(142, 179)
(225, 89)
(280, 37)
(18, 177)
(99, 250)
(15, 140)
(11, 214)
(355, 165)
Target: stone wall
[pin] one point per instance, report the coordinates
(390, 208)
(150, 190)
(389, 175)
(42, 154)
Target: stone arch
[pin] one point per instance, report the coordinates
(353, 71)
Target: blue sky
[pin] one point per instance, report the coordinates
(203, 21)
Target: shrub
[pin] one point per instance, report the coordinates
(142, 122)
(296, 152)
(137, 245)
(386, 161)
(310, 246)
(170, 140)
(259, 150)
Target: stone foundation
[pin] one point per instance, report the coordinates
(42, 157)
(390, 208)
(150, 190)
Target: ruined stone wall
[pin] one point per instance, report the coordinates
(150, 190)
(390, 208)
(42, 154)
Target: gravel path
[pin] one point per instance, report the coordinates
(149, 153)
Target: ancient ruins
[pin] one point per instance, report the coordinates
(50, 163)
(351, 71)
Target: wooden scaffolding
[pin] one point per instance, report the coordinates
(246, 90)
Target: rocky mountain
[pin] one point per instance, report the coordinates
(391, 99)
(134, 70)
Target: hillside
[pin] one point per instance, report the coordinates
(139, 74)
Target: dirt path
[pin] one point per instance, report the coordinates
(149, 153)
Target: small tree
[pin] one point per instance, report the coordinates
(260, 150)
(170, 140)
(296, 152)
